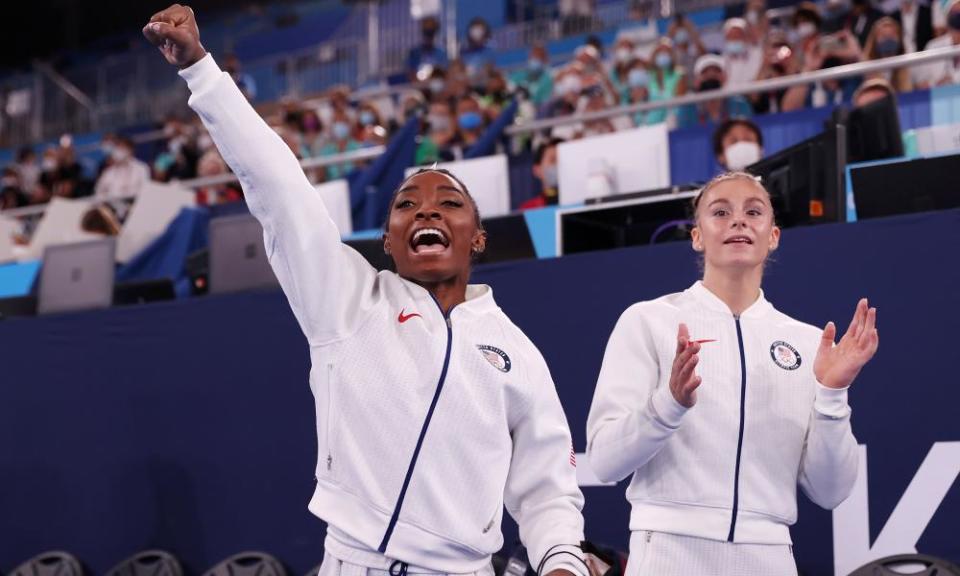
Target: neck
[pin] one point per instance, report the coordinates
(448, 292)
(737, 289)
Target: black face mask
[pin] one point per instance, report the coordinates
(710, 84)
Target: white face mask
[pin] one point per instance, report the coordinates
(622, 55)
(806, 30)
(119, 154)
(741, 154)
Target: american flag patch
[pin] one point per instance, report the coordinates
(573, 457)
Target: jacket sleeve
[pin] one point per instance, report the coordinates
(828, 467)
(541, 492)
(631, 417)
(329, 286)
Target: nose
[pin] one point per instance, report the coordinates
(428, 213)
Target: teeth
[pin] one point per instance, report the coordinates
(423, 231)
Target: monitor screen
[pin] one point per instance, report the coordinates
(873, 132)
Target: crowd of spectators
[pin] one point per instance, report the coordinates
(456, 99)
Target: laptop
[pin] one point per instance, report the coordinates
(238, 259)
(77, 276)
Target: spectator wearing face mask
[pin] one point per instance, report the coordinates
(435, 87)
(426, 55)
(594, 100)
(778, 61)
(311, 136)
(341, 140)
(436, 145)
(829, 51)
(12, 194)
(27, 167)
(545, 173)
(638, 84)
(807, 25)
(666, 81)
(244, 81)
(737, 143)
(124, 175)
(476, 53)
(710, 74)
(945, 71)
(70, 181)
(535, 78)
(469, 121)
(178, 159)
(885, 41)
(916, 21)
(742, 57)
(623, 61)
(757, 22)
(835, 14)
(686, 45)
(372, 130)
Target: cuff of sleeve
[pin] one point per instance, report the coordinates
(201, 74)
(831, 402)
(666, 409)
(571, 567)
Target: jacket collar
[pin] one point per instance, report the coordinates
(479, 298)
(704, 296)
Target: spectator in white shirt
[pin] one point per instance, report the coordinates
(742, 56)
(125, 175)
(916, 19)
(946, 71)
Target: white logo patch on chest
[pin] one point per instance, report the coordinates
(785, 355)
(495, 356)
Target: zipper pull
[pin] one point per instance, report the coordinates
(329, 462)
(449, 325)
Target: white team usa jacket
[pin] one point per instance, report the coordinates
(727, 468)
(427, 425)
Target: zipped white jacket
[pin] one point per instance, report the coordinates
(727, 468)
(427, 425)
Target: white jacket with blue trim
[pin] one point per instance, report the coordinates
(426, 425)
(727, 468)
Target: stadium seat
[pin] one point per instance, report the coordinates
(53, 563)
(889, 566)
(148, 563)
(248, 564)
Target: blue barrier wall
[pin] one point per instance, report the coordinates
(189, 425)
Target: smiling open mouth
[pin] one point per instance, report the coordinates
(429, 241)
(738, 240)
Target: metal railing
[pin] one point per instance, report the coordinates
(760, 86)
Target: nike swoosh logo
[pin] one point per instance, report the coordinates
(401, 318)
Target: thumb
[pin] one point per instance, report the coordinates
(159, 33)
(829, 333)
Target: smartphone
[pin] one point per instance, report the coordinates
(832, 43)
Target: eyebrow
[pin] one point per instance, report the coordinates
(725, 201)
(446, 187)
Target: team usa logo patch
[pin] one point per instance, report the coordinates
(496, 357)
(785, 355)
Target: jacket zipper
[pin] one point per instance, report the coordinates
(423, 431)
(743, 399)
(329, 414)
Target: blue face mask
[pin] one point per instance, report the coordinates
(366, 117)
(470, 120)
(663, 61)
(681, 36)
(888, 47)
(341, 130)
(637, 78)
(735, 47)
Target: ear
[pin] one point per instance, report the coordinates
(479, 242)
(386, 244)
(696, 239)
(774, 238)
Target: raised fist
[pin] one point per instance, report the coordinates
(174, 31)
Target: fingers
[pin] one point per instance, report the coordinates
(869, 327)
(856, 320)
(158, 33)
(829, 336)
(691, 386)
(686, 369)
(683, 336)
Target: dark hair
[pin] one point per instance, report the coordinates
(807, 11)
(726, 126)
(25, 153)
(543, 147)
(445, 172)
